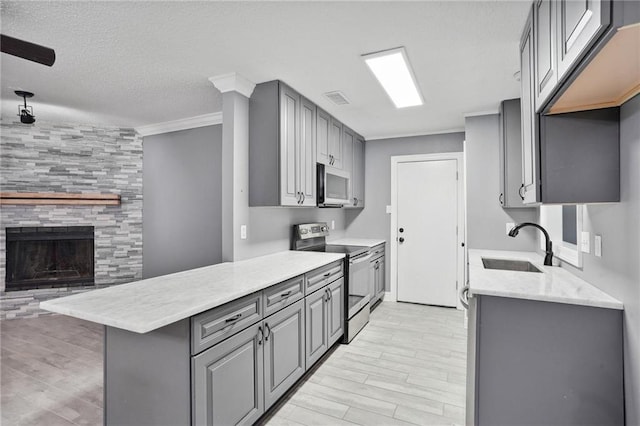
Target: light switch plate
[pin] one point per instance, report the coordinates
(388, 209)
(597, 245)
(585, 245)
(243, 232)
(509, 227)
(333, 224)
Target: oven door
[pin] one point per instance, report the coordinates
(359, 294)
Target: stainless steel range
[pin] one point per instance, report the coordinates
(312, 237)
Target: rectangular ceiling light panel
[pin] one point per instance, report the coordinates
(392, 69)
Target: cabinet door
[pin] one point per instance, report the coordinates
(307, 152)
(579, 24)
(316, 326)
(335, 314)
(373, 282)
(335, 143)
(228, 381)
(323, 129)
(348, 138)
(289, 137)
(357, 175)
(511, 154)
(381, 278)
(544, 46)
(530, 156)
(284, 360)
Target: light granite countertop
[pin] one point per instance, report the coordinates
(149, 304)
(357, 242)
(554, 284)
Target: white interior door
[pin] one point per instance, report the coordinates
(427, 239)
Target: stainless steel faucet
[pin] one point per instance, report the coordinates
(549, 252)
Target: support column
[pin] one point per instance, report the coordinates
(236, 91)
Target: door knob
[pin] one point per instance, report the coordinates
(401, 239)
(401, 229)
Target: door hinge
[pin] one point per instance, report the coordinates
(456, 284)
(456, 175)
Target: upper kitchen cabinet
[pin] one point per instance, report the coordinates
(510, 148)
(329, 140)
(357, 173)
(579, 24)
(528, 189)
(348, 139)
(544, 47)
(282, 150)
(585, 54)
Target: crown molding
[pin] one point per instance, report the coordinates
(181, 124)
(479, 113)
(233, 82)
(412, 135)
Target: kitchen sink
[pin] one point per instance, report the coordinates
(509, 265)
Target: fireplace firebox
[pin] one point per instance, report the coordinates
(47, 257)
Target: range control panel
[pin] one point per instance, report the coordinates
(304, 231)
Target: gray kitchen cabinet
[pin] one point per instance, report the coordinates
(543, 363)
(529, 189)
(510, 151)
(227, 381)
(377, 275)
(335, 308)
(282, 147)
(284, 359)
(380, 283)
(324, 319)
(357, 173)
(336, 153)
(316, 332)
(329, 148)
(545, 58)
(348, 139)
(323, 128)
(579, 24)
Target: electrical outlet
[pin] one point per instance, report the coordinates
(333, 224)
(243, 232)
(585, 245)
(509, 227)
(597, 245)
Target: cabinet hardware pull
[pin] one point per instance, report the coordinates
(327, 275)
(261, 334)
(520, 191)
(236, 317)
(501, 198)
(268, 330)
(304, 197)
(285, 294)
(329, 294)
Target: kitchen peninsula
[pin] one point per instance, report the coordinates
(180, 347)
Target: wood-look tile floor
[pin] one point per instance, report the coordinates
(406, 367)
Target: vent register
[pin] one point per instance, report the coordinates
(337, 97)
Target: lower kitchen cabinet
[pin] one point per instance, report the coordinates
(284, 360)
(544, 363)
(228, 380)
(324, 318)
(377, 275)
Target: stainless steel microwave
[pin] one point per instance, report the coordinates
(334, 186)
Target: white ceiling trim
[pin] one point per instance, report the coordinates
(233, 82)
(478, 113)
(181, 124)
(411, 135)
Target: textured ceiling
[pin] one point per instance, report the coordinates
(137, 63)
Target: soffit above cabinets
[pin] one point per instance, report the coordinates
(610, 79)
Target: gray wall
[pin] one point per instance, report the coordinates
(486, 219)
(182, 193)
(269, 229)
(374, 221)
(617, 272)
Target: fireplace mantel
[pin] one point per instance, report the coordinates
(61, 198)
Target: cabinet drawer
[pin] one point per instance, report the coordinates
(377, 250)
(282, 295)
(320, 277)
(211, 327)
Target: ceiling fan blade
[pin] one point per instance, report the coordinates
(29, 51)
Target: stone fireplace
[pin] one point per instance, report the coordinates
(49, 257)
(69, 159)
